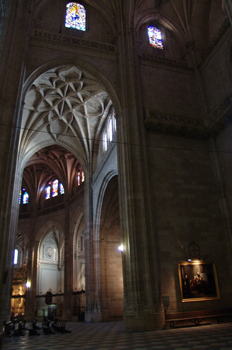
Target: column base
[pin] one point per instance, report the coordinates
(67, 315)
(29, 314)
(141, 323)
(93, 318)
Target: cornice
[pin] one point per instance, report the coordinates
(216, 116)
(74, 41)
(163, 122)
(170, 123)
(164, 60)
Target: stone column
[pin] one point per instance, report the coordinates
(11, 83)
(92, 310)
(142, 301)
(30, 302)
(68, 269)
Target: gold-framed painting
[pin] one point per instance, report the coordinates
(198, 281)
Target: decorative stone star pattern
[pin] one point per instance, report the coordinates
(64, 102)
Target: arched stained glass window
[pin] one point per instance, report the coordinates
(16, 256)
(155, 37)
(105, 141)
(61, 188)
(48, 192)
(23, 196)
(109, 132)
(20, 196)
(53, 189)
(75, 16)
(80, 177)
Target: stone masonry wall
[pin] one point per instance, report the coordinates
(186, 208)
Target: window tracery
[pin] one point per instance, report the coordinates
(75, 16)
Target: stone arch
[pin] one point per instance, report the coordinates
(78, 228)
(110, 277)
(113, 172)
(45, 228)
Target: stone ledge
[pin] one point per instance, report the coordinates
(68, 39)
(170, 123)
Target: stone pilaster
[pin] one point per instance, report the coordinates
(11, 78)
(68, 270)
(30, 303)
(93, 309)
(142, 305)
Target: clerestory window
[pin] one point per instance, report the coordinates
(109, 131)
(53, 189)
(155, 37)
(75, 16)
(23, 196)
(80, 177)
(16, 256)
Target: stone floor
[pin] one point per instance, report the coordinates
(110, 335)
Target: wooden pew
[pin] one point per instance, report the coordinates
(195, 318)
(59, 326)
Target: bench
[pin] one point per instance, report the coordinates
(46, 326)
(59, 326)
(196, 317)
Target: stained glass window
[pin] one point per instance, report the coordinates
(78, 178)
(155, 37)
(20, 196)
(61, 188)
(105, 141)
(75, 16)
(16, 256)
(48, 192)
(114, 123)
(82, 176)
(25, 198)
(55, 188)
(110, 130)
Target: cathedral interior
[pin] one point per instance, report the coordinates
(116, 159)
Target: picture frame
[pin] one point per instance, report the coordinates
(198, 281)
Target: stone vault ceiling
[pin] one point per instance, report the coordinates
(64, 105)
(48, 164)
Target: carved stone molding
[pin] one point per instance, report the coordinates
(170, 123)
(68, 39)
(163, 122)
(218, 113)
(164, 60)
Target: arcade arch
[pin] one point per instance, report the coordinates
(65, 113)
